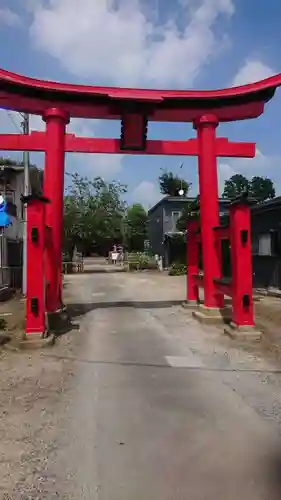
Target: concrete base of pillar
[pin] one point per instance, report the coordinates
(37, 341)
(242, 333)
(212, 315)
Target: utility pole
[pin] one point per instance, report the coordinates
(25, 129)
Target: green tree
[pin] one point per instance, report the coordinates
(235, 186)
(135, 227)
(93, 214)
(172, 184)
(262, 188)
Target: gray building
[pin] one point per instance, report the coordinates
(265, 229)
(266, 243)
(11, 237)
(162, 223)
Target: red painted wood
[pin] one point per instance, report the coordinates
(56, 121)
(192, 261)
(209, 207)
(241, 263)
(222, 233)
(247, 101)
(36, 141)
(35, 320)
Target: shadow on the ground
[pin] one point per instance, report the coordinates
(68, 327)
(77, 309)
(274, 473)
(103, 270)
(60, 323)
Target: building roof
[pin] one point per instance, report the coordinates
(181, 199)
(32, 95)
(260, 207)
(35, 174)
(267, 205)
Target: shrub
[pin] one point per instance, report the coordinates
(177, 269)
(138, 261)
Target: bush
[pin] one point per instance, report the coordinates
(177, 269)
(138, 261)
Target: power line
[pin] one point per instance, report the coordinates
(13, 121)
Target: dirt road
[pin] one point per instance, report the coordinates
(139, 403)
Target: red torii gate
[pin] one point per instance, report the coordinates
(38, 141)
(57, 103)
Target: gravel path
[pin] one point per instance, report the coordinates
(139, 403)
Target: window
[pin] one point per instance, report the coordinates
(267, 244)
(264, 244)
(275, 243)
(175, 218)
(9, 196)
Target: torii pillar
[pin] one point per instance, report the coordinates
(209, 207)
(56, 121)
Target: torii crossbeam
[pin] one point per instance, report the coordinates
(36, 141)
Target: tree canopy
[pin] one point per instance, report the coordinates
(135, 227)
(235, 186)
(93, 214)
(172, 184)
(260, 188)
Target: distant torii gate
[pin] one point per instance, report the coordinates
(57, 103)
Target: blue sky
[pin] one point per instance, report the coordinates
(153, 43)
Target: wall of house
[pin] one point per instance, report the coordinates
(267, 268)
(155, 230)
(169, 222)
(15, 230)
(11, 236)
(177, 206)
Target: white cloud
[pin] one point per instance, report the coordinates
(118, 41)
(146, 193)
(252, 71)
(8, 17)
(92, 165)
(225, 171)
(82, 127)
(77, 126)
(10, 123)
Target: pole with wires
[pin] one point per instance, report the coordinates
(181, 191)
(25, 129)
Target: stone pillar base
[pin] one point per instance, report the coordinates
(242, 333)
(212, 315)
(37, 341)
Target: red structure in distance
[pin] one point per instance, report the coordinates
(239, 286)
(57, 103)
